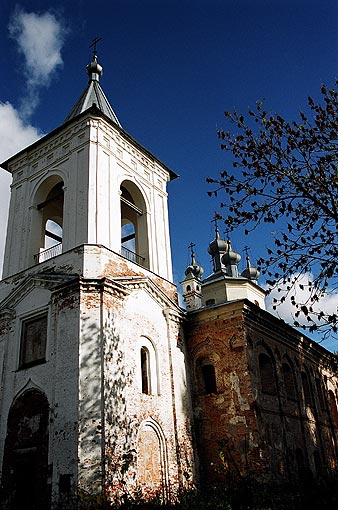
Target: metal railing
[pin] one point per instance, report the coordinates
(48, 253)
(132, 256)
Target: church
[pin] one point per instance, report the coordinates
(109, 387)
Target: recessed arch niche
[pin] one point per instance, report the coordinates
(25, 464)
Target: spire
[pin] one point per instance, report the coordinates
(217, 247)
(192, 286)
(93, 93)
(231, 260)
(251, 273)
(194, 269)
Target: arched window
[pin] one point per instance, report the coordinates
(206, 376)
(289, 381)
(134, 230)
(148, 368)
(333, 407)
(209, 379)
(267, 374)
(306, 389)
(145, 371)
(320, 393)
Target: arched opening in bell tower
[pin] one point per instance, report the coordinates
(134, 230)
(47, 221)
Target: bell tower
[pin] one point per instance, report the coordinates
(92, 352)
(88, 182)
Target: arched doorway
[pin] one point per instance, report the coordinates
(25, 465)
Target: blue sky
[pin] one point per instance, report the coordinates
(171, 68)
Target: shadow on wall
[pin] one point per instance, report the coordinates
(120, 450)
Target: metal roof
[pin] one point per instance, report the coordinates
(93, 95)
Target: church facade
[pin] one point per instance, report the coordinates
(107, 385)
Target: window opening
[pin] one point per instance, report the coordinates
(128, 236)
(209, 379)
(51, 211)
(289, 382)
(145, 371)
(267, 374)
(134, 239)
(306, 389)
(320, 393)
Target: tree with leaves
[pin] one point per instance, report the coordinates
(286, 174)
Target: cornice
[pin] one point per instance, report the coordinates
(147, 284)
(31, 282)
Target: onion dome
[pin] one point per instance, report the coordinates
(94, 69)
(217, 248)
(251, 273)
(231, 260)
(218, 245)
(194, 270)
(230, 257)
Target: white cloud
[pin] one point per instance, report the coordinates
(39, 38)
(14, 136)
(328, 303)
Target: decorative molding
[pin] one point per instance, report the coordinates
(147, 284)
(39, 280)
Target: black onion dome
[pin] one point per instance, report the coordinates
(194, 269)
(251, 273)
(230, 257)
(217, 245)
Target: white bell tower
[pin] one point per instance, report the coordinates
(88, 182)
(91, 339)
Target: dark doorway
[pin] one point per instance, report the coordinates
(25, 465)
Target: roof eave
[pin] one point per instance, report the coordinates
(97, 112)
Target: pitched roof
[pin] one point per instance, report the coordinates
(93, 95)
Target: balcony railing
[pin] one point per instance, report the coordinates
(48, 253)
(132, 256)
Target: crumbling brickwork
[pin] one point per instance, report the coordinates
(270, 414)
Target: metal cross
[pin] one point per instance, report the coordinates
(192, 246)
(94, 43)
(216, 217)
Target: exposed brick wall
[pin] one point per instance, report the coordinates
(265, 429)
(226, 419)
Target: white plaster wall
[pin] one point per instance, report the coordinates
(57, 377)
(140, 320)
(225, 290)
